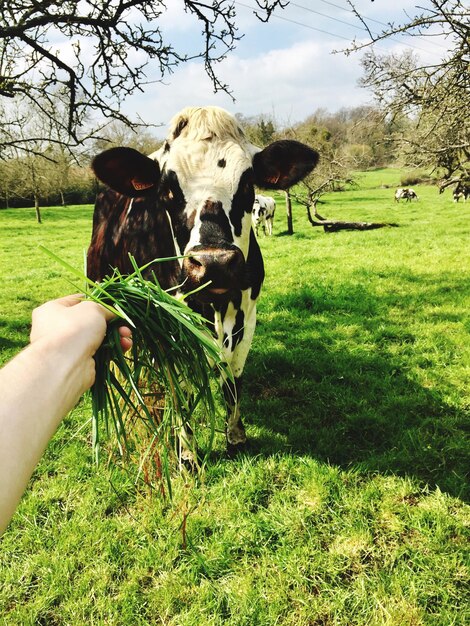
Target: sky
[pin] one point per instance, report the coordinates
(284, 69)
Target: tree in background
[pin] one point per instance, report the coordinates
(259, 129)
(349, 139)
(48, 168)
(117, 133)
(331, 135)
(331, 172)
(434, 97)
(93, 54)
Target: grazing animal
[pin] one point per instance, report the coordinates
(405, 194)
(194, 197)
(462, 190)
(262, 214)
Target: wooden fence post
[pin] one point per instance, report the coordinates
(290, 226)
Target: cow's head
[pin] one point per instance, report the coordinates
(203, 177)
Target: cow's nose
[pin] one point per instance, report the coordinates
(223, 267)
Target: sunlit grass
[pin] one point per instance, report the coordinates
(349, 506)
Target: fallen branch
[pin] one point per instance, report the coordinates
(332, 226)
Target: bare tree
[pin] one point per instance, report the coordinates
(331, 174)
(436, 96)
(47, 167)
(94, 54)
(118, 133)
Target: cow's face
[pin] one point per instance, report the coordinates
(203, 177)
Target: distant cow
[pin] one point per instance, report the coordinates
(405, 193)
(262, 214)
(193, 198)
(461, 191)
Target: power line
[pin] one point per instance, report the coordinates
(337, 6)
(370, 19)
(325, 32)
(355, 26)
(330, 17)
(286, 19)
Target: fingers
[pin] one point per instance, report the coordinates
(70, 300)
(108, 315)
(125, 335)
(79, 299)
(126, 343)
(74, 315)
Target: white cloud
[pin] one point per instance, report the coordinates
(289, 83)
(175, 19)
(284, 68)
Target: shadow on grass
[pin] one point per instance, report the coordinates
(336, 379)
(13, 336)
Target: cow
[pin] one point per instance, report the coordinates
(405, 194)
(462, 190)
(193, 199)
(262, 214)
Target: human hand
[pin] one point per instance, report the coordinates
(43, 383)
(75, 326)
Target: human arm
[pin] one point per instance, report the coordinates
(42, 384)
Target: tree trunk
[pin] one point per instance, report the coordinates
(37, 209)
(290, 224)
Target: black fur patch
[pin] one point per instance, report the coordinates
(215, 226)
(172, 199)
(181, 124)
(238, 329)
(242, 201)
(255, 267)
(143, 231)
(221, 162)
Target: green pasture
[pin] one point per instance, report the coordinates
(350, 506)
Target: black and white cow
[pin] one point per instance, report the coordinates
(405, 193)
(262, 214)
(461, 191)
(194, 197)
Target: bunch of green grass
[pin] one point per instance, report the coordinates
(160, 392)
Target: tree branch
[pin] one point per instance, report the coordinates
(97, 79)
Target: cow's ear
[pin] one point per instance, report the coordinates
(283, 163)
(127, 171)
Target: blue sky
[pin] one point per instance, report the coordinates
(284, 69)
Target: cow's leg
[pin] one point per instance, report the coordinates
(187, 452)
(236, 328)
(234, 429)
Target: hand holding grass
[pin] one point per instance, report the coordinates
(77, 326)
(43, 383)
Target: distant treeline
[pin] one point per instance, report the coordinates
(356, 138)
(85, 195)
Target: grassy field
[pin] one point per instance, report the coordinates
(350, 506)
